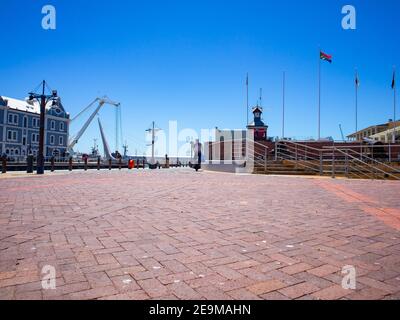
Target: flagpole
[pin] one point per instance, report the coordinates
(394, 104)
(319, 95)
(247, 99)
(356, 100)
(283, 105)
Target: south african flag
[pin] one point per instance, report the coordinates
(326, 57)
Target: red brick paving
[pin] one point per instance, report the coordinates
(180, 235)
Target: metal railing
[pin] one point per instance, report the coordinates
(301, 156)
(341, 159)
(336, 160)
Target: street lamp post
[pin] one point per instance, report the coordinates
(43, 99)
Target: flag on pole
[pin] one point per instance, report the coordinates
(357, 81)
(325, 57)
(394, 80)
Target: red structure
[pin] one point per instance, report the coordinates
(260, 129)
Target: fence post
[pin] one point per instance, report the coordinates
(333, 163)
(4, 165)
(52, 164)
(70, 164)
(321, 169)
(265, 160)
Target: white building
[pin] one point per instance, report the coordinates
(20, 123)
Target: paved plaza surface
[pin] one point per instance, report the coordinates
(175, 234)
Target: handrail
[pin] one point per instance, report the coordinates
(369, 158)
(305, 151)
(302, 164)
(311, 165)
(368, 165)
(298, 144)
(323, 160)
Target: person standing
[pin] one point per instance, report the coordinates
(197, 154)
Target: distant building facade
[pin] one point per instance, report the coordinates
(19, 128)
(387, 135)
(380, 132)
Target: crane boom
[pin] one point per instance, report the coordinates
(341, 132)
(107, 152)
(85, 109)
(102, 102)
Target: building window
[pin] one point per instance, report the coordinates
(35, 137)
(12, 135)
(52, 125)
(51, 139)
(35, 122)
(61, 141)
(13, 118)
(24, 141)
(61, 126)
(25, 122)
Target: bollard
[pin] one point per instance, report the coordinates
(52, 164)
(98, 163)
(86, 161)
(109, 164)
(4, 165)
(70, 164)
(131, 164)
(29, 164)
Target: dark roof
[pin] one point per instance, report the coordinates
(257, 108)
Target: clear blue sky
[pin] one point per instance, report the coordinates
(187, 61)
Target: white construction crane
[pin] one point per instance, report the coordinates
(101, 102)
